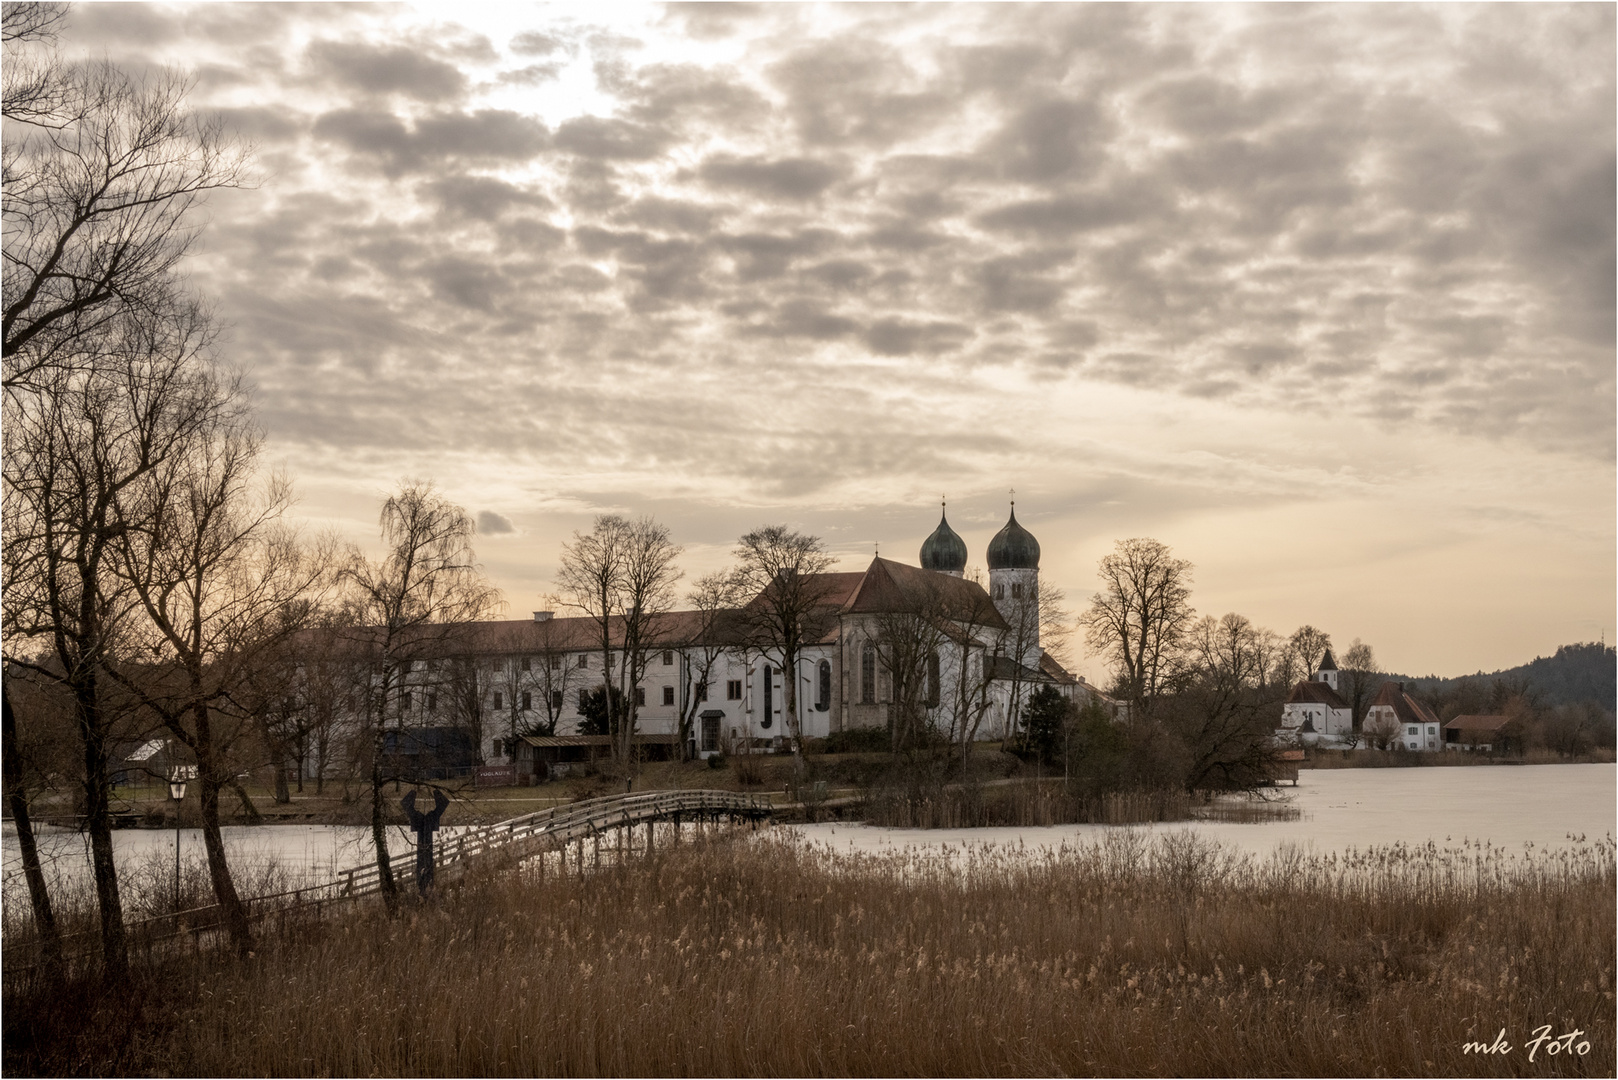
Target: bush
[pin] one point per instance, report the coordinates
(862, 740)
(717, 761)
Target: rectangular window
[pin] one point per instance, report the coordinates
(584, 659)
(668, 658)
(527, 664)
(733, 690)
(640, 695)
(582, 694)
(499, 702)
(432, 702)
(406, 705)
(499, 665)
(668, 695)
(556, 701)
(769, 691)
(1016, 590)
(556, 662)
(527, 701)
(710, 733)
(1412, 731)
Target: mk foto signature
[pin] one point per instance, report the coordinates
(1567, 1043)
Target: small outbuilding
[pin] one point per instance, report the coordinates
(1473, 732)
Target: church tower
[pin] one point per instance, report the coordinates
(1327, 672)
(1014, 580)
(943, 551)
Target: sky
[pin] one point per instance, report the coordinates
(1320, 296)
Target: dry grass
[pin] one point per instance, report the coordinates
(769, 957)
(1020, 804)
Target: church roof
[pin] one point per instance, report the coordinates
(1310, 692)
(888, 586)
(1013, 547)
(1326, 662)
(943, 551)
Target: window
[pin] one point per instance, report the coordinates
(499, 702)
(1016, 590)
(556, 662)
(1413, 731)
(527, 664)
(668, 658)
(999, 592)
(582, 695)
(868, 674)
(733, 690)
(668, 695)
(584, 659)
(769, 697)
(823, 688)
(499, 665)
(640, 695)
(556, 701)
(432, 702)
(527, 701)
(710, 732)
(932, 681)
(406, 700)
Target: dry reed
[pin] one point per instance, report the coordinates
(768, 956)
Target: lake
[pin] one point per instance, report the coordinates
(1508, 806)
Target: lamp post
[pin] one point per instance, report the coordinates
(177, 793)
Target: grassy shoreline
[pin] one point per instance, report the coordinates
(758, 955)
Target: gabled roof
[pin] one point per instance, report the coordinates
(1405, 707)
(1049, 665)
(1310, 692)
(888, 586)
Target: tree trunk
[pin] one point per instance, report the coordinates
(379, 835)
(224, 889)
(17, 800)
(283, 794)
(98, 823)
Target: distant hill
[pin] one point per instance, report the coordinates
(1577, 673)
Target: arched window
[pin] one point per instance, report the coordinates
(823, 697)
(868, 675)
(933, 695)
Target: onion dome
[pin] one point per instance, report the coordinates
(1013, 547)
(944, 551)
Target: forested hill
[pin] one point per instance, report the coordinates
(1577, 673)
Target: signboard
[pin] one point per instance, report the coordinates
(497, 775)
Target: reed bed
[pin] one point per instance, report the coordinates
(1023, 805)
(1133, 955)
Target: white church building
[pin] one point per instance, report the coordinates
(1315, 714)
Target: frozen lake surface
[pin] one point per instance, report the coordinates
(1508, 806)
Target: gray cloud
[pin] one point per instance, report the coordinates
(784, 178)
(387, 69)
(492, 524)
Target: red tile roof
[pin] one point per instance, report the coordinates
(1405, 707)
(1310, 692)
(1481, 724)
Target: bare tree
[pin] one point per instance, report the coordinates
(1361, 679)
(35, 79)
(411, 604)
(99, 211)
(590, 580)
(649, 577)
(976, 628)
(1224, 708)
(713, 600)
(222, 583)
(1139, 617)
(784, 571)
(75, 458)
(1305, 649)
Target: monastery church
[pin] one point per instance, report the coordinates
(538, 671)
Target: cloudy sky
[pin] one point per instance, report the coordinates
(1323, 297)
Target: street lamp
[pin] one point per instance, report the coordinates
(177, 793)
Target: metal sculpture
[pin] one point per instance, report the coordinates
(424, 825)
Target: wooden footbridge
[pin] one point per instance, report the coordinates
(573, 824)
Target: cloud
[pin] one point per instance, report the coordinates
(793, 178)
(492, 524)
(387, 69)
